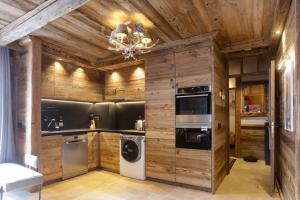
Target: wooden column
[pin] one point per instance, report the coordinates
(238, 101)
(297, 90)
(27, 89)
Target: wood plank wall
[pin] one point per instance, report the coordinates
(287, 170)
(194, 65)
(252, 142)
(127, 83)
(160, 116)
(27, 70)
(220, 147)
(70, 82)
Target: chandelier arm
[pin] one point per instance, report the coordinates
(151, 46)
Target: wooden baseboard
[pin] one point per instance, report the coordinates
(205, 189)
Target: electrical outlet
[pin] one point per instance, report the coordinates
(219, 125)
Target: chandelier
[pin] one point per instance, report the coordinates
(130, 42)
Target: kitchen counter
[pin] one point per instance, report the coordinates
(82, 131)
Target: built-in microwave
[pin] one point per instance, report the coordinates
(193, 105)
(193, 101)
(193, 138)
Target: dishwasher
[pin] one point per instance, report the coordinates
(74, 155)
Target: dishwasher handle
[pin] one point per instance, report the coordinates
(75, 141)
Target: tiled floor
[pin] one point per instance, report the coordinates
(247, 181)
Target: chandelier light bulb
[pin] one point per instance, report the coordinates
(139, 45)
(146, 40)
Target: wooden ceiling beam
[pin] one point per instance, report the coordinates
(62, 56)
(37, 18)
(130, 63)
(254, 52)
(246, 45)
(61, 47)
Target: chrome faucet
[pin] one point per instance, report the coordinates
(52, 120)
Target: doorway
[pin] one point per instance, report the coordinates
(250, 99)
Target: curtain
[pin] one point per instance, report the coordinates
(7, 143)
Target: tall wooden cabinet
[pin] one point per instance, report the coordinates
(160, 116)
(185, 66)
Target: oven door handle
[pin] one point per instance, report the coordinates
(196, 95)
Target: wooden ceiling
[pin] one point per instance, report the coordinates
(82, 33)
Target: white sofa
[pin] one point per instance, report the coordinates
(15, 176)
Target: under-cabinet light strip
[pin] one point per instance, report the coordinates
(84, 102)
(67, 101)
(130, 102)
(104, 103)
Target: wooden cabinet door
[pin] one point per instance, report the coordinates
(110, 151)
(193, 167)
(193, 67)
(160, 117)
(93, 150)
(50, 157)
(125, 83)
(160, 159)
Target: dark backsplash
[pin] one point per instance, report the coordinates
(127, 114)
(78, 115)
(74, 115)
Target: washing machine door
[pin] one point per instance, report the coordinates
(130, 151)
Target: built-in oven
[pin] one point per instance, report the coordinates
(193, 117)
(193, 137)
(193, 105)
(193, 101)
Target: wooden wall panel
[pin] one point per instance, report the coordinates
(287, 171)
(220, 123)
(126, 83)
(160, 159)
(93, 150)
(194, 66)
(193, 167)
(252, 142)
(70, 82)
(110, 151)
(50, 157)
(27, 91)
(160, 116)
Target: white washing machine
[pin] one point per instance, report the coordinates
(132, 156)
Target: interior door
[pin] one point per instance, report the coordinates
(272, 125)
